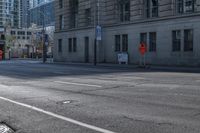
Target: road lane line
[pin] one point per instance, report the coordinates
(79, 84)
(98, 129)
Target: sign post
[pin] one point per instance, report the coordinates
(143, 50)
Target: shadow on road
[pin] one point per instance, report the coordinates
(37, 70)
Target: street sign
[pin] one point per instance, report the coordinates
(142, 49)
(98, 33)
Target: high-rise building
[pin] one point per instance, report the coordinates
(35, 3)
(24, 13)
(42, 12)
(9, 13)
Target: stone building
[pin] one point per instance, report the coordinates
(20, 43)
(169, 28)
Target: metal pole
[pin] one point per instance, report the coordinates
(26, 30)
(98, 12)
(44, 46)
(95, 41)
(96, 23)
(95, 52)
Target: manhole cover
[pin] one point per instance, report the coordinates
(5, 129)
(66, 102)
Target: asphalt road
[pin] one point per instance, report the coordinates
(52, 98)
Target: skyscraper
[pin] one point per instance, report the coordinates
(9, 13)
(42, 12)
(24, 6)
(35, 3)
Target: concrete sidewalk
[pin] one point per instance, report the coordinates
(132, 66)
(117, 66)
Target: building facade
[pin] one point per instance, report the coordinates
(41, 12)
(9, 13)
(42, 15)
(24, 6)
(35, 3)
(169, 28)
(20, 42)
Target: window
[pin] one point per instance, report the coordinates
(185, 6)
(188, 40)
(143, 38)
(152, 41)
(74, 44)
(61, 22)
(179, 6)
(117, 43)
(28, 33)
(125, 43)
(13, 33)
(60, 45)
(70, 44)
(151, 8)
(3, 37)
(124, 10)
(176, 40)
(73, 4)
(19, 33)
(121, 43)
(189, 5)
(61, 3)
(88, 16)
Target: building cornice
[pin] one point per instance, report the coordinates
(141, 21)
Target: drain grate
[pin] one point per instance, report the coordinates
(5, 129)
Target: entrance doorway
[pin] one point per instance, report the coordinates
(87, 49)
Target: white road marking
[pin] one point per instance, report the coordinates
(79, 84)
(59, 116)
